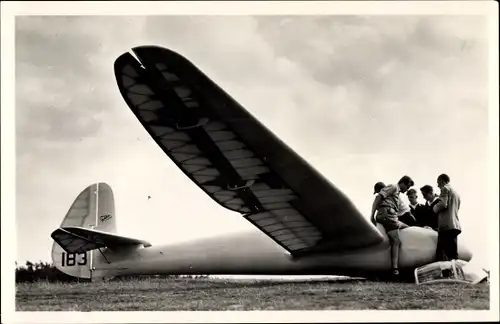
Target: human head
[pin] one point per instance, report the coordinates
(412, 196)
(427, 192)
(442, 180)
(405, 183)
(378, 186)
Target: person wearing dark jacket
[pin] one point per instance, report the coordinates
(416, 209)
(428, 218)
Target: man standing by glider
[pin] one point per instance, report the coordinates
(386, 205)
(448, 223)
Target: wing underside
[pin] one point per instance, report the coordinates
(234, 158)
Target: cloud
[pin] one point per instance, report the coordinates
(53, 102)
(389, 69)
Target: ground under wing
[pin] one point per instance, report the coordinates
(235, 159)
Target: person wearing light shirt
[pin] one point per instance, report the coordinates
(404, 214)
(386, 206)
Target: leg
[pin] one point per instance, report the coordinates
(450, 246)
(395, 245)
(392, 227)
(440, 253)
(454, 251)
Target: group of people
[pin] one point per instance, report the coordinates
(440, 213)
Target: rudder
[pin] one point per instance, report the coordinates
(92, 208)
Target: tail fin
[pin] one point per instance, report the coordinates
(93, 208)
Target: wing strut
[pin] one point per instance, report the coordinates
(104, 256)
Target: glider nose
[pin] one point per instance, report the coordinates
(464, 253)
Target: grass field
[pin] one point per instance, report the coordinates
(231, 294)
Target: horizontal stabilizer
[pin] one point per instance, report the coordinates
(75, 239)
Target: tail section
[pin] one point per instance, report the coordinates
(85, 243)
(94, 208)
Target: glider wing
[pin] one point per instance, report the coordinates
(235, 159)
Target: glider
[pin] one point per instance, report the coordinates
(304, 223)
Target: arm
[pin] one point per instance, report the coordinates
(375, 204)
(411, 216)
(443, 200)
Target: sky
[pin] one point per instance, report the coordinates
(362, 98)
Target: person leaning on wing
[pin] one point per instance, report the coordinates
(404, 211)
(386, 205)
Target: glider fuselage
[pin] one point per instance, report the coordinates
(255, 254)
